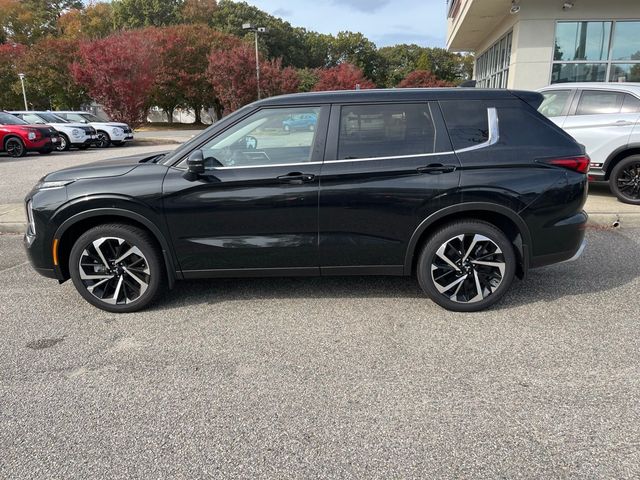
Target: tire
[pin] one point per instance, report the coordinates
(15, 147)
(478, 241)
(127, 286)
(83, 147)
(625, 180)
(103, 140)
(46, 151)
(119, 143)
(64, 144)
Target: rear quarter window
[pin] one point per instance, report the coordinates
(467, 122)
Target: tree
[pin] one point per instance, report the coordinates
(10, 97)
(399, 61)
(198, 11)
(233, 77)
(46, 65)
(445, 65)
(146, 13)
(26, 21)
(308, 78)
(423, 79)
(181, 79)
(122, 80)
(355, 48)
(343, 77)
(93, 21)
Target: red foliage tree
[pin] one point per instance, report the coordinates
(118, 72)
(181, 77)
(343, 77)
(232, 74)
(423, 79)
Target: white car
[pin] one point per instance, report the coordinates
(605, 118)
(71, 134)
(108, 132)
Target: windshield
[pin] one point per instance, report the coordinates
(90, 117)
(8, 119)
(51, 118)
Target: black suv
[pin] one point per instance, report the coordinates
(465, 188)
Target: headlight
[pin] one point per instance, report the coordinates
(117, 131)
(32, 223)
(55, 184)
(75, 132)
(31, 135)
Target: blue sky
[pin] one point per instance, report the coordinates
(385, 22)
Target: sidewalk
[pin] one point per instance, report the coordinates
(603, 209)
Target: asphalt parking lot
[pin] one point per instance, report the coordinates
(326, 378)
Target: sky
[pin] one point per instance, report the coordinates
(385, 22)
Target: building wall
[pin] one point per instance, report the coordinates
(534, 34)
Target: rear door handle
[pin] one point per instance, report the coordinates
(623, 123)
(436, 169)
(297, 178)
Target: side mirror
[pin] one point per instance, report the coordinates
(195, 165)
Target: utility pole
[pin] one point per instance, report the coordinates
(256, 30)
(24, 92)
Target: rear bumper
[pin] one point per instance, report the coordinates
(568, 238)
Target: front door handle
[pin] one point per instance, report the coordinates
(436, 169)
(297, 178)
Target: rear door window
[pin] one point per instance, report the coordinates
(598, 102)
(631, 104)
(385, 130)
(467, 122)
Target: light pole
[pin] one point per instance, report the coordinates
(257, 30)
(24, 92)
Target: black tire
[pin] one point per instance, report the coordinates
(625, 180)
(103, 140)
(46, 151)
(115, 288)
(435, 274)
(118, 143)
(64, 144)
(15, 147)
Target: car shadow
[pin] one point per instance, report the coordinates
(610, 261)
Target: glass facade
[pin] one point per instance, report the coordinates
(492, 67)
(597, 51)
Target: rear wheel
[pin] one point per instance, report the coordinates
(15, 147)
(466, 266)
(117, 268)
(64, 144)
(625, 180)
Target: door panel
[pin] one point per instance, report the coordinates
(253, 209)
(370, 207)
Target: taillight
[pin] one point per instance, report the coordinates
(578, 164)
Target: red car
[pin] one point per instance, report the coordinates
(17, 137)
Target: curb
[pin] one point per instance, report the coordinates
(155, 141)
(596, 220)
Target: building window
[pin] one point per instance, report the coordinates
(492, 67)
(596, 51)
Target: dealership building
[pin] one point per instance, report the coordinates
(529, 44)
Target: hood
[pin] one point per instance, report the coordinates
(105, 168)
(109, 124)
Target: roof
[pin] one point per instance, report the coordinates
(388, 95)
(619, 86)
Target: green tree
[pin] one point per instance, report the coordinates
(26, 21)
(399, 61)
(198, 11)
(50, 82)
(10, 97)
(356, 49)
(146, 13)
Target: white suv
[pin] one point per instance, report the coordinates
(108, 132)
(605, 118)
(71, 134)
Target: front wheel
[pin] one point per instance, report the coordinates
(466, 266)
(103, 140)
(117, 268)
(15, 147)
(625, 180)
(64, 144)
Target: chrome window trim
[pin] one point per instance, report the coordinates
(494, 137)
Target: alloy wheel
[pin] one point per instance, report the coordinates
(468, 268)
(103, 140)
(62, 145)
(114, 271)
(628, 181)
(15, 148)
